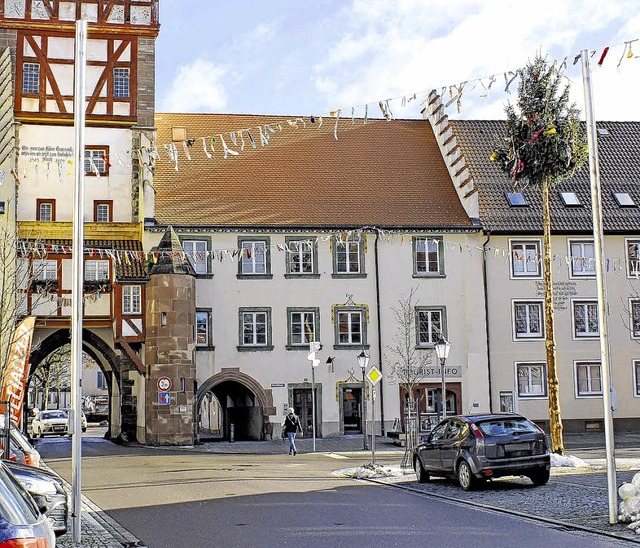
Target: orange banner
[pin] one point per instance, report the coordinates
(14, 384)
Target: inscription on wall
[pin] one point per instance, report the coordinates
(561, 293)
(46, 154)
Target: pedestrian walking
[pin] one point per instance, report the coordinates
(291, 426)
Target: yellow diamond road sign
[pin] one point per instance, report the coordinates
(374, 375)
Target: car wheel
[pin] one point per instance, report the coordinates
(421, 474)
(466, 479)
(540, 477)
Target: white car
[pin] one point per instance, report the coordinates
(54, 422)
(83, 420)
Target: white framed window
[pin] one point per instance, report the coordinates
(196, 252)
(532, 379)
(349, 327)
(301, 257)
(254, 257)
(528, 320)
(585, 319)
(302, 326)
(583, 261)
(121, 79)
(95, 161)
(203, 328)
(634, 306)
(255, 327)
(30, 78)
(633, 258)
(347, 256)
(96, 271)
(525, 258)
(45, 210)
(428, 256)
(45, 270)
(103, 212)
(636, 378)
(429, 325)
(131, 299)
(588, 378)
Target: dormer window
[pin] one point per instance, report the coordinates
(623, 199)
(516, 199)
(570, 199)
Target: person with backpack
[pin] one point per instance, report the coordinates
(290, 427)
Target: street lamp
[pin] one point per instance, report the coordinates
(363, 362)
(442, 351)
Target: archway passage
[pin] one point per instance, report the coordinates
(233, 406)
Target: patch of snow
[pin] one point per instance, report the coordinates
(369, 471)
(567, 461)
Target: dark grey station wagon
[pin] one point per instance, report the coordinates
(475, 448)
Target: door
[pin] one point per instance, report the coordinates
(430, 449)
(303, 406)
(450, 446)
(351, 410)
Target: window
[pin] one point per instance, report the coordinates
(527, 319)
(624, 199)
(196, 252)
(525, 259)
(203, 328)
(348, 256)
(121, 83)
(636, 377)
(635, 318)
(585, 319)
(350, 327)
(96, 271)
(45, 270)
(303, 326)
(30, 78)
(103, 211)
(301, 257)
(255, 328)
(95, 161)
(532, 380)
(516, 199)
(101, 382)
(429, 326)
(255, 258)
(428, 256)
(131, 299)
(570, 198)
(45, 210)
(633, 258)
(588, 379)
(582, 258)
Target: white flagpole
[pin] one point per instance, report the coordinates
(79, 107)
(598, 240)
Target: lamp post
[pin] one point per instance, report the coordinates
(442, 351)
(363, 362)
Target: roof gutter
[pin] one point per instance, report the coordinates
(486, 314)
(382, 428)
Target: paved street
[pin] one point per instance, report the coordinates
(254, 494)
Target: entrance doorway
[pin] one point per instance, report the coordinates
(352, 410)
(303, 406)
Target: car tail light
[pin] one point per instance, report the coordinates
(488, 472)
(25, 543)
(32, 459)
(476, 431)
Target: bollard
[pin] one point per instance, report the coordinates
(232, 432)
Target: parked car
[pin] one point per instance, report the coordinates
(475, 448)
(51, 422)
(20, 448)
(21, 521)
(83, 420)
(47, 489)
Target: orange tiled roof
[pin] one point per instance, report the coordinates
(384, 174)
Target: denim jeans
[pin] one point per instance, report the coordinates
(292, 442)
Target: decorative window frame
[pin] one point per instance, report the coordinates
(266, 240)
(584, 303)
(439, 240)
(442, 310)
(103, 162)
(512, 253)
(545, 385)
(208, 345)
(242, 347)
(516, 337)
(634, 318)
(363, 310)
(45, 201)
(577, 259)
(635, 364)
(313, 240)
(342, 241)
(591, 393)
(97, 204)
(632, 255)
(316, 326)
(207, 253)
(131, 309)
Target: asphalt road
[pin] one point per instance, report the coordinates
(171, 498)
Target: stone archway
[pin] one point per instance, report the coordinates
(244, 402)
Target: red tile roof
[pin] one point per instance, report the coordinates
(383, 174)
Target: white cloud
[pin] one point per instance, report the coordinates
(198, 87)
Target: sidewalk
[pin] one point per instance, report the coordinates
(98, 530)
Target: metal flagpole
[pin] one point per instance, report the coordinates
(598, 238)
(79, 107)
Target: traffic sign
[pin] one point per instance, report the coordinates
(164, 398)
(374, 376)
(164, 384)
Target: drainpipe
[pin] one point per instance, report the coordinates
(486, 314)
(382, 429)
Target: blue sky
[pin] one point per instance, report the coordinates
(304, 57)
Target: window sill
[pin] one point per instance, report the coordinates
(345, 276)
(299, 347)
(351, 346)
(204, 276)
(302, 276)
(266, 348)
(209, 348)
(254, 276)
(428, 276)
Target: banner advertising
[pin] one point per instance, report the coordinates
(14, 384)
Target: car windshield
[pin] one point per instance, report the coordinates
(16, 506)
(18, 437)
(53, 415)
(510, 425)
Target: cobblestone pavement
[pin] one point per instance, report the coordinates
(575, 496)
